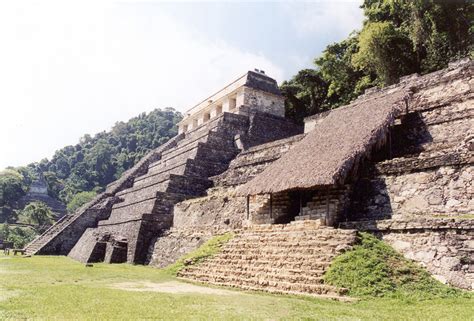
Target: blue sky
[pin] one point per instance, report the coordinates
(76, 67)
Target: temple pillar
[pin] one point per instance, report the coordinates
(213, 111)
(226, 105)
(240, 98)
(200, 119)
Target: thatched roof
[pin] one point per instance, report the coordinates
(330, 151)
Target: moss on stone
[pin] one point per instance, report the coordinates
(373, 268)
(208, 249)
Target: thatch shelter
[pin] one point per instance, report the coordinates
(329, 152)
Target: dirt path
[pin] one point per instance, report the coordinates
(170, 287)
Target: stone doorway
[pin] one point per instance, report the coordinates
(117, 252)
(98, 253)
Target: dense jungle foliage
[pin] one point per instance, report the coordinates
(398, 37)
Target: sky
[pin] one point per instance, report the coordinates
(69, 68)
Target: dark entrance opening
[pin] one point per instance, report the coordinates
(119, 252)
(98, 253)
(296, 201)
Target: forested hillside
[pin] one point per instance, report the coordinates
(76, 173)
(398, 37)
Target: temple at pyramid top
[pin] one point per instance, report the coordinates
(252, 91)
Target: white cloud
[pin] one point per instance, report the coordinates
(310, 18)
(74, 68)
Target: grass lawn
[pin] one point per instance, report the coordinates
(57, 288)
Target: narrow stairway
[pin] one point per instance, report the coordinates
(44, 238)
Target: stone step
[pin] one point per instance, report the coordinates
(270, 270)
(274, 253)
(323, 232)
(310, 217)
(324, 255)
(264, 262)
(298, 240)
(279, 291)
(251, 275)
(313, 252)
(274, 286)
(308, 241)
(296, 226)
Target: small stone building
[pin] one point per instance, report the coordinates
(38, 192)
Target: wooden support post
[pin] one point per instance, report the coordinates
(328, 219)
(248, 207)
(327, 203)
(389, 144)
(271, 205)
(301, 203)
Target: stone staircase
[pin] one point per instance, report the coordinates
(182, 171)
(60, 238)
(47, 235)
(146, 207)
(289, 258)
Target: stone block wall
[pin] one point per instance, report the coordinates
(328, 206)
(445, 190)
(265, 102)
(218, 210)
(173, 244)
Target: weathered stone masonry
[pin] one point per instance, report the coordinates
(140, 205)
(413, 189)
(407, 199)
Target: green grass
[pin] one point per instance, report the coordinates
(57, 288)
(206, 250)
(373, 268)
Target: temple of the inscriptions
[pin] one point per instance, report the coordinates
(395, 162)
(254, 90)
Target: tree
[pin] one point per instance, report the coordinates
(335, 66)
(80, 199)
(100, 159)
(37, 214)
(11, 186)
(439, 31)
(385, 51)
(20, 236)
(294, 107)
(312, 83)
(54, 184)
(305, 94)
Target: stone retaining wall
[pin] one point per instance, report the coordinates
(446, 190)
(444, 246)
(173, 244)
